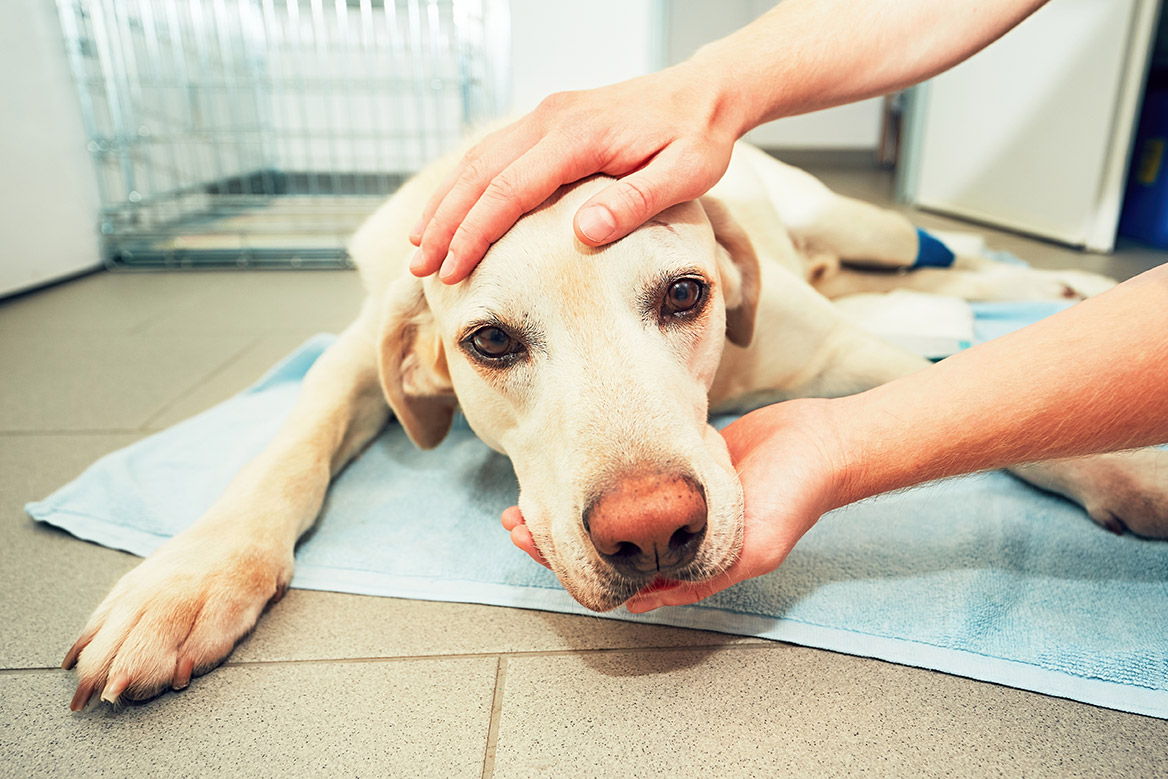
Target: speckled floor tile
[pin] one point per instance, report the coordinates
(50, 581)
(303, 302)
(99, 303)
(243, 370)
(791, 711)
(406, 718)
(92, 381)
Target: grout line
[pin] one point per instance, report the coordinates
(496, 715)
(201, 382)
(502, 656)
(516, 655)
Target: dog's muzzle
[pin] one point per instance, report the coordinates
(649, 524)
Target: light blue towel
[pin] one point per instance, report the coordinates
(980, 576)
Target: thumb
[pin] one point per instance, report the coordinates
(628, 203)
(681, 595)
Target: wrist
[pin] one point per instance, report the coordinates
(844, 448)
(728, 109)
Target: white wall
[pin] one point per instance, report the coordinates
(558, 45)
(48, 197)
(693, 23)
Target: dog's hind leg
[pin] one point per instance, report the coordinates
(182, 610)
(849, 246)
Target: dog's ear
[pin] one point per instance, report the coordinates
(412, 364)
(738, 267)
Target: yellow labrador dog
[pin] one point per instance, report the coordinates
(594, 370)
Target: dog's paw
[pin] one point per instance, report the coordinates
(1128, 491)
(1122, 492)
(177, 615)
(1076, 285)
(1009, 283)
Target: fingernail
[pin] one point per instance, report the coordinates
(447, 270)
(417, 262)
(596, 223)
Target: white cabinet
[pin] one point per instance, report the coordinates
(1034, 133)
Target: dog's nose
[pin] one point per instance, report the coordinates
(648, 524)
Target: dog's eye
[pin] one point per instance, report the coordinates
(683, 295)
(494, 342)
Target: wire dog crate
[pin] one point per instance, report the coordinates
(261, 132)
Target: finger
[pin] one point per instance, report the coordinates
(676, 596)
(451, 178)
(683, 595)
(521, 537)
(520, 187)
(644, 603)
(436, 199)
(675, 175)
(512, 518)
(469, 185)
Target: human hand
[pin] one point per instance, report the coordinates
(786, 457)
(669, 136)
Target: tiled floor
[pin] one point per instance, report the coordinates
(342, 685)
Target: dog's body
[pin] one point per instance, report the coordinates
(594, 371)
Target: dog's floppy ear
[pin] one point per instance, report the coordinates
(412, 364)
(738, 267)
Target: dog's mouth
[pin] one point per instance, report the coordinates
(616, 593)
(659, 584)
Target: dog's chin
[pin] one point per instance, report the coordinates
(616, 591)
(603, 599)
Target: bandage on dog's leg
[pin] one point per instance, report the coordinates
(932, 253)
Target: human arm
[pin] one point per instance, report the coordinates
(668, 136)
(1091, 379)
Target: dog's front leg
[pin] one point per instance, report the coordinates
(182, 610)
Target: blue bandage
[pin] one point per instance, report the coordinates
(932, 253)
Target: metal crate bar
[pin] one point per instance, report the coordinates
(242, 133)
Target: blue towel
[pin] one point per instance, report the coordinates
(979, 576)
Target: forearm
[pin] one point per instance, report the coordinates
(1093, 378)
(804, 55)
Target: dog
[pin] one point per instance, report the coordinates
(594, 371)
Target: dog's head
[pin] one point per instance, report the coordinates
(590, 369)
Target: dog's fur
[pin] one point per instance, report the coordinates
(605, 387)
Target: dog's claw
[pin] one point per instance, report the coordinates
(82, 696)
(114, 689)
(182, 673)
(74, 651)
